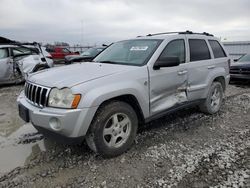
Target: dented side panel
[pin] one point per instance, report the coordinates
(6, 69)
(167, 88)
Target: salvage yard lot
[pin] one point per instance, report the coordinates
(185, 149)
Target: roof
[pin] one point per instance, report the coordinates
(7, 45)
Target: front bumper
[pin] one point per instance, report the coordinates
(73, 123)
(240, 76)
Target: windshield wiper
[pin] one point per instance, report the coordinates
(110, 62)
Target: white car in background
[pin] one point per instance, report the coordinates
(18, 60)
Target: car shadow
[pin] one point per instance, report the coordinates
(240, 83)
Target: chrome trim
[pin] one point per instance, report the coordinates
(43, 98)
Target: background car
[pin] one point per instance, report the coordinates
(241, 68)
(58, 53)
(45, 56)
(17, 60)
(87, 55)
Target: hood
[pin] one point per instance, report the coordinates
(241, 64)
(71, 75)
(71, 56)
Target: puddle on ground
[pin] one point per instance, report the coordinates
(19, 147)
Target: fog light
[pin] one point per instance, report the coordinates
(55, 124)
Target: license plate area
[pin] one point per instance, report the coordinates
(24, 113)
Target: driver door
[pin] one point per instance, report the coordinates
(168, 85)
(6, 65)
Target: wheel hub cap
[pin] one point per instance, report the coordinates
(117, 130)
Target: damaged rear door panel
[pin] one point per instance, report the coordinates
(168, 85)
(6, 65)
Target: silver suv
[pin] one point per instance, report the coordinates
(130, 83)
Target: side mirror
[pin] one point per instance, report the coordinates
(235, 60)
(166, 62)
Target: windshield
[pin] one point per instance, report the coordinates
(129, 52)
(91, 52)
(245, 58)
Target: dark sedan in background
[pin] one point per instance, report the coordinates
(240, 70)
(87, 55)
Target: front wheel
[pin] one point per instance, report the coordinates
(214, 99)
(113, 129)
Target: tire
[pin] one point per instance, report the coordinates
(213, 102)
(68, 62)
(113, 129)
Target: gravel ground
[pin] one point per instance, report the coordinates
(185, 149)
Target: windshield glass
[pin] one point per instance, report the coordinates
(129, 52)
(91, 52)
(245, 58)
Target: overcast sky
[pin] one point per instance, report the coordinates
(103, 21)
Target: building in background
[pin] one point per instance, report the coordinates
(237, 48)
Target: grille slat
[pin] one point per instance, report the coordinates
(36, 94)
(32, 93)
(40, 100)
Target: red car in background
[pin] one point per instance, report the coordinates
(58, 53)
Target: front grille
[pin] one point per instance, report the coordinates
(239, 71)
(36, 94)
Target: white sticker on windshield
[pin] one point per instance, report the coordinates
(138, 48)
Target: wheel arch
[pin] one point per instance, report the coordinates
(132, 101)
(222, 80)
(46, 66)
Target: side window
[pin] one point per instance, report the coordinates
(175, 48)
(198, 50)
(217, 49)
(4, 53)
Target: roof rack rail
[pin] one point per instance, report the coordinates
(179, 32)
(165, 33)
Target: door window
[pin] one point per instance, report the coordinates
(217, 49)
(198, 50)
(3, 53)
(175, 48)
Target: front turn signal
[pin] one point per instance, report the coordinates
(76, 101)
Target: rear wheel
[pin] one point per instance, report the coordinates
(113, 129)
(214, 99)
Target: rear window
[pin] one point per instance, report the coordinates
(198, 50)
(217, 49)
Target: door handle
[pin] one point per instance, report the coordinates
(211, 67)
(182, 72)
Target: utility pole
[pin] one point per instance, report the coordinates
(82, 32)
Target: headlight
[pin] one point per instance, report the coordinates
(63, 98)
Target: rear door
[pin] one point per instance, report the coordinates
(220, 57)
(6, 65)
(168, 84)
(199, 66)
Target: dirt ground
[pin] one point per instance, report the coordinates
(185, 149)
